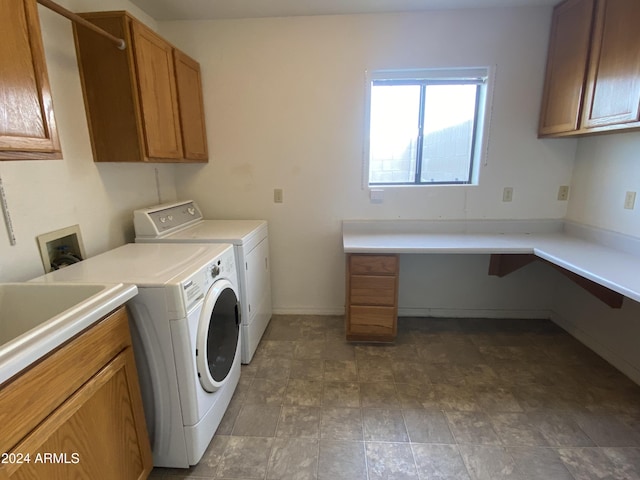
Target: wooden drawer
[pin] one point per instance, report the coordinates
(44, 386)
(373, 321)
(373, 264)
(373, 290)
(372, 297)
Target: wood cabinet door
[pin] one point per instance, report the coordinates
(189, 88)
(157, 91)
(613, 81)
(566, 67)
(97, 433)
(110, 91)
(27, 124)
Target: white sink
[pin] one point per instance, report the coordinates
(37, 317)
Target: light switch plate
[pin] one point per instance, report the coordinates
(630, 200)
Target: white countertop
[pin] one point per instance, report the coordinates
(605, 264)
(614, 269)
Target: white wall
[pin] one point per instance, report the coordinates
(49, 195)
(606, 167)
(612, 333)
(458, 286)
(285, 106)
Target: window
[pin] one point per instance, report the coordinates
(425, 126)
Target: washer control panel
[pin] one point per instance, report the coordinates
(196, 286)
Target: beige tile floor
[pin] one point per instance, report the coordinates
(450, 400)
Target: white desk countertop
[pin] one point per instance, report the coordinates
(604, 263)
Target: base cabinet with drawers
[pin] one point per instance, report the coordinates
(372, 297)
(78, 412)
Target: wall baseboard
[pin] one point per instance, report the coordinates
(604, 351)
(473, 313)
(308, 311)
(426, 312)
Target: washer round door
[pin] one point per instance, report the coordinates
(217, 343)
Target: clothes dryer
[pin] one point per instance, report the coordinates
(185, 330)
(183, 222)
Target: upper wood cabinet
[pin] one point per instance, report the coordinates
(592, 82)
(27, 124)
(158, 98)
(613, 79)
(189, 86)
(136, 109)
(566, 67)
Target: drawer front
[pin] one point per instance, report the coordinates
(373, 290)
(373, 264)
(373, 321)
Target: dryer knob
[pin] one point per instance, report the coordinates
(215, 271)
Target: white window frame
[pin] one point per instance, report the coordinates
(480, 151)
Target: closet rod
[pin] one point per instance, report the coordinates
(120, 43)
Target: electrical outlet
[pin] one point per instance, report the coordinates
(277, 195)
(563, 193)
(507, 194)
(630, 200)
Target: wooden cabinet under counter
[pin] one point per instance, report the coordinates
(82, 404)
(27, 124)
(144, 104)
(372, 297)
(592, 82)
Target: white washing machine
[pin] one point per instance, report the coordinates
(186, 339)
(182, 222)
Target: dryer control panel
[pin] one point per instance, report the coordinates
(164, 219)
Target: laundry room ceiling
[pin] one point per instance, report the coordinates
(219, 9)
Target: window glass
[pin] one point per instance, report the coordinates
(425, 127)
(394, 133)
(449, 118)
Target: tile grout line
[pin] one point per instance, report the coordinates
(410, 442)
